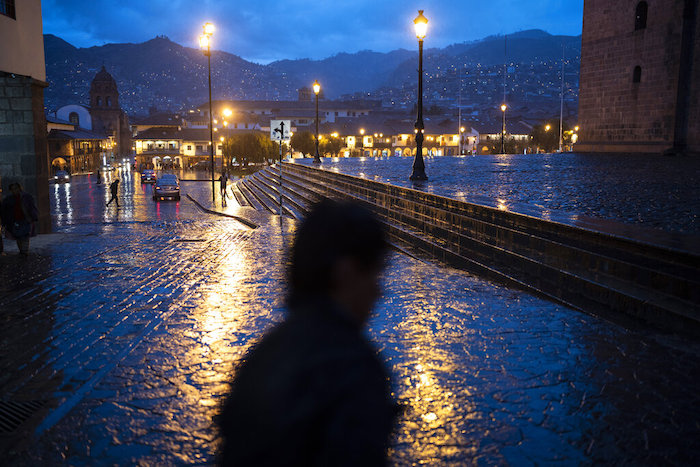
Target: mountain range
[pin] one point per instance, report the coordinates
(162, 74)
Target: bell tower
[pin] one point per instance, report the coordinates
(107, 116)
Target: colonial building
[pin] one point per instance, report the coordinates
(161, 147)
(640, 77)
(376, 136)
(107, 116)
(100, 134)
(72, 144)
(23, 156)
(302, 112)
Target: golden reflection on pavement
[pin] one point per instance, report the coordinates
(430, 424)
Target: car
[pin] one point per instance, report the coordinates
(61, 176)
(148, 176)
(167, 186)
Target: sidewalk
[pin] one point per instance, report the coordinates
(127, 333)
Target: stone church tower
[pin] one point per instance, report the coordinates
(640, 77)
(107, 116)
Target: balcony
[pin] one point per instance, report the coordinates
(160, 151)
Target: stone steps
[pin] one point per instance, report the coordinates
(289, 204)
(250, 199)
(238, 195)
(587, 270)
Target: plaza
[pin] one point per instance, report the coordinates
(125, 325)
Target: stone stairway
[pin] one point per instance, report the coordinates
(596, 272)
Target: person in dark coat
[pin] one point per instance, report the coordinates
(19, 213)
(313, 391)
(114, 189)
(2, 229)
(223, 180)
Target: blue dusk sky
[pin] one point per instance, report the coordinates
(266, 30)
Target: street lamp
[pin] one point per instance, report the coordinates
(228, 136)
(205, 44)
(503, 130)
(317, 89)
(418, 173)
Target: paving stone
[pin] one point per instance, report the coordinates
(485, 374)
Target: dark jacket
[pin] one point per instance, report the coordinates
(30, 213)
(312, 392)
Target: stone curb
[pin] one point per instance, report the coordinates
(242, 220)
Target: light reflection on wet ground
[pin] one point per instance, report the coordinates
(652, 190)
(486, 374)
(493, 375)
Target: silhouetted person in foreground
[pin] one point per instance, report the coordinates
(114, 190)
(313, 391)
(19, 213)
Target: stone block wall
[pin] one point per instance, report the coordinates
(694, 117)
(23, 144)
(616, 114)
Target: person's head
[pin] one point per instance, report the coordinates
(338, 252)
(15, 188)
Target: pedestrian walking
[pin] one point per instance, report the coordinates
(19, 213)
(114, 189)
(314, 385)
(99, 177)
(223, 181)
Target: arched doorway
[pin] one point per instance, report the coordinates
(59, 163)
(167, 163)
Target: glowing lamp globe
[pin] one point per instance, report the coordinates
(421, 25)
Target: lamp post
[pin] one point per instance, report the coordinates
(317, 89)
(418, 173)
(503, 129)
(205, 44)
(227, 114)
(362, 142)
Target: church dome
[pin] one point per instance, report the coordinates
(103, 76)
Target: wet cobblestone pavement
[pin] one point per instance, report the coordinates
(654, 191)
(129, 325)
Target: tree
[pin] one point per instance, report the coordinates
(249, 148)
(303, 142)
(331, 146)
(546, 136)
